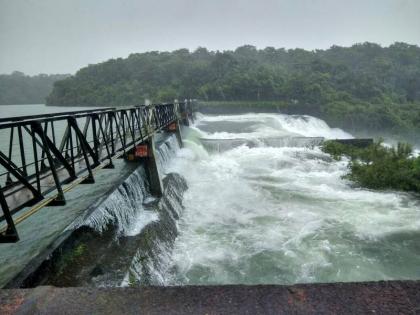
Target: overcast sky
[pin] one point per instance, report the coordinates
(60, 36)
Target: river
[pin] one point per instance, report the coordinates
(282, 214)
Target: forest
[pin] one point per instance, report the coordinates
(17, 88)
(363, 86)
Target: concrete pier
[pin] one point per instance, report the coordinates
(146, 153)
(155, 181)
(175, 128)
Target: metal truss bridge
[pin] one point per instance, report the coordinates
(46, 152)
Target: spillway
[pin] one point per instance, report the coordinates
(249, 199)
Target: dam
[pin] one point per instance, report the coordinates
(247, 199)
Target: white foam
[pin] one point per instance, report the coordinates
(274, 125)
(283, 215)
(143, 218)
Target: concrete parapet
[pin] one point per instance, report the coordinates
(387, 297)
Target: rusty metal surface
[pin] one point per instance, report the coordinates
(392, 297)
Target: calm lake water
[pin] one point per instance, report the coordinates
(34, 109)
(24, 110)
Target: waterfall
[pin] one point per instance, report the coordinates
(222, 145)
(127, 239)
(251, 126)
(125, 205)
(122, 207)
(165, 151)
(152, 259)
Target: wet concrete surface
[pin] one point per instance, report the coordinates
(388, 297)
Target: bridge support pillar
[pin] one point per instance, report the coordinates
(152, 169)
(178, 135)
(185, 119)
(146, 153)
(176, 129)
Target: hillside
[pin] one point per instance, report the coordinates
(18, 88)
(365, 85)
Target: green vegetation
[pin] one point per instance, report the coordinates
(365, 86)
(18, 88)
(71, 257)
(379, 167)
(74, 254)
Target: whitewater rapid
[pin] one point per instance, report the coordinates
(281, 213)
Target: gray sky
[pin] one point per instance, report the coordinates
(60, 36)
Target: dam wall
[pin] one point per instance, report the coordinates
(121, 238)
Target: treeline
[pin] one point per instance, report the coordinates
(18, 88)
(363, 85)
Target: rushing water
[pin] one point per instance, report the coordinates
(279, 212)
(263, 205)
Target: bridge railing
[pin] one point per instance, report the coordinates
(41, 153)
